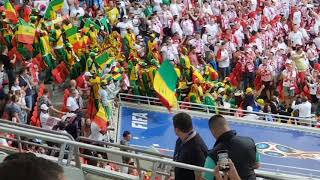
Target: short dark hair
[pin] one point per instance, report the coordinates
(126, 133)
(217, 121)
(27, 166)
(183, 122)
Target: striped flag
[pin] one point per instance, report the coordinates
(101, 118)
(25, 33)
(102, 59)
(72, 35)
(57, 4)
(53, 7)
(10, 12)
(197, 75)
(117, 76)
(165, 83)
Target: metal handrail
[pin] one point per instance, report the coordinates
(208, 108)
(154, 160)
(3, 121)
(130, 148)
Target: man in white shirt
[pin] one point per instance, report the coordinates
(76, 10)
(124, 25)
(304, 108)
(317, 41)
(212, 28)
(223, 61)
(72, 103)
(170, 51)
(175, 8)
(47, 121)
(296, 37)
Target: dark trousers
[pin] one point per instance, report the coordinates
(248, 79)
(223, 73)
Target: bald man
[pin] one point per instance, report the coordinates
(241, 150)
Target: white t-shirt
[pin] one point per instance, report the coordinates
(95, 132)
(72, 104)
(317, 42)
(176, 28)
(123, 27)
(296, 38)
(170, 52)
(304, 109)
(225, 63)
(187, 27)
(175, 9)
(212, 29)
(75, 11)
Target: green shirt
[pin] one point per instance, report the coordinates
(211, 164)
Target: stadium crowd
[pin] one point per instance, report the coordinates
(254, 55)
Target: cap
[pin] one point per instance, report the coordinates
(92, 54)
(87, 74)
(220, 90)
(249, 90)
(260, 102)
(249, 108)
(44, 107)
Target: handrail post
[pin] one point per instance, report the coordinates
(154, 170)
(148, 101)
(61, 153)
(77, 157)
(19, 143)
(71, 150)
(138, 166)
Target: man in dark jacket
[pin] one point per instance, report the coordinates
(241, 150)
(190, 148)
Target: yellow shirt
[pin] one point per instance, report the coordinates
(113, 15)
(59, 36)
(95, 86)
(93, 37)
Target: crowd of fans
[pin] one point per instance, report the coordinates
(254, 55)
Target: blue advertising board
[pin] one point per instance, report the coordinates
(284, 150)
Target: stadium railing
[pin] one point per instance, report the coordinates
(217, 109)
(155, 161)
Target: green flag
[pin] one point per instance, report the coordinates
(102, 59)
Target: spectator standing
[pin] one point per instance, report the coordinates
(304, 108)
(190, 147)
(241, 150)
(125, 142)
(8, 64)
(26, 85)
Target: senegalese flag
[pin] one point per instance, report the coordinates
(10, 12)
(50, 13)
(116, 69)
(45, 47)
(101, 118)
(56, 4)
(197, 75)
(25, 33)
(102, 59)
(73, 35)
(165, 83)
(117, 76)
(89, 22)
